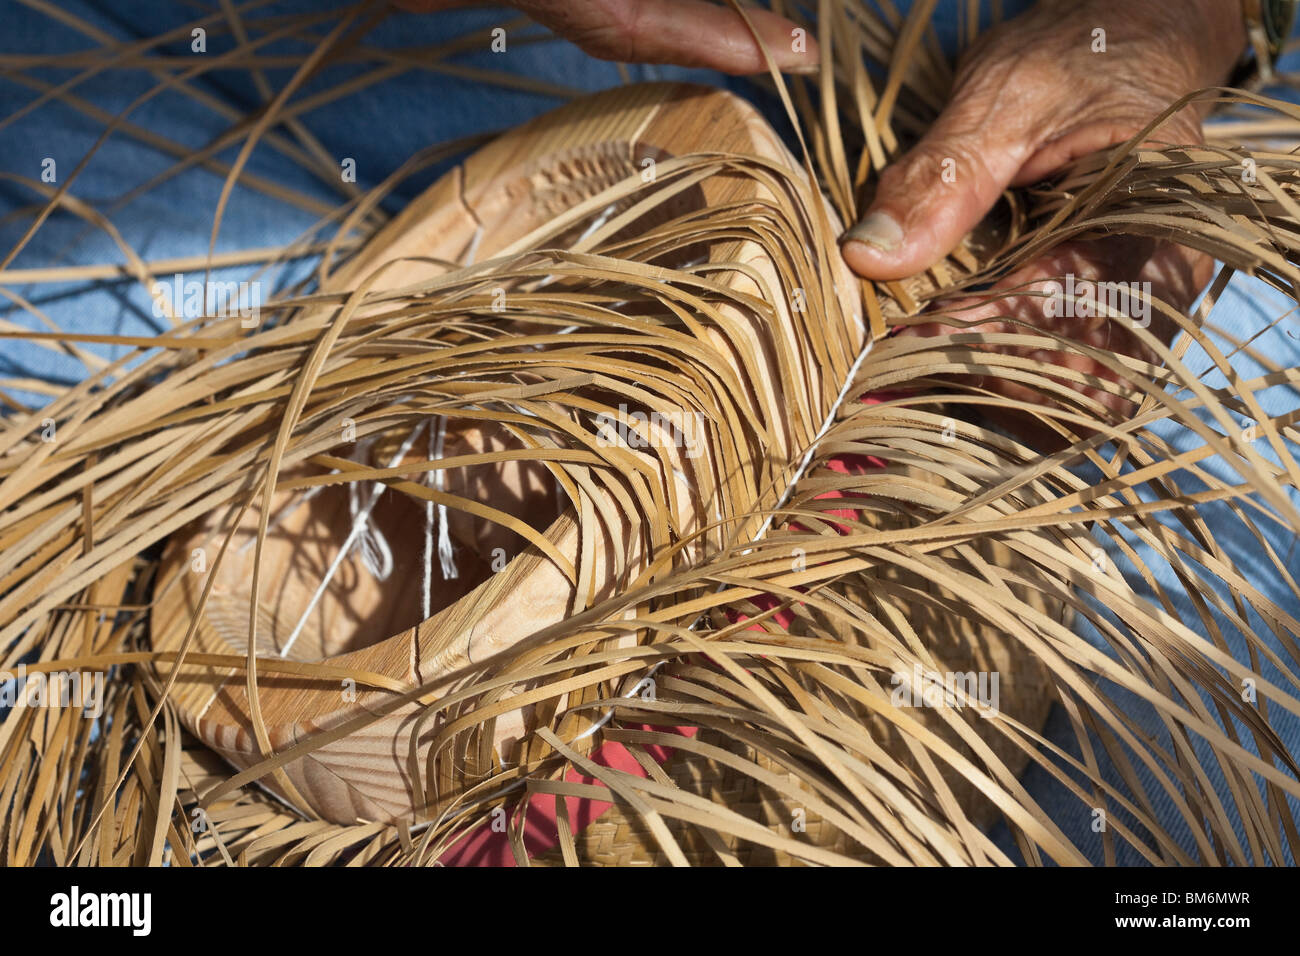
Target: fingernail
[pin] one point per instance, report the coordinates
(878, 230)
(803, 69)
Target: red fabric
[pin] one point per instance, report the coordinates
(488, 847)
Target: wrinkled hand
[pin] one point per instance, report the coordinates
(692, 33)
(1029, 98)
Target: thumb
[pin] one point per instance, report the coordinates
(932, 196)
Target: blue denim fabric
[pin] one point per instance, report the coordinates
(380, 127)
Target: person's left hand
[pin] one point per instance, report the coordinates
(693, 33)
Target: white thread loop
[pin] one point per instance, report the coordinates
(359, 522)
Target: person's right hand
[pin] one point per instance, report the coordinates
(1030, 97)
(692, 33)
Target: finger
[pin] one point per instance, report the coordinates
(979, 314)
(931, 197)
(1020, 302)
(689, 33)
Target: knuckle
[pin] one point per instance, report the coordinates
(613, 32)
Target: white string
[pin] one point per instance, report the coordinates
(599, 221)
(596, 223)
(373, 547)
(472, 250)
(426, 590)
(446, 557)
(285, 512)
(781, 502)
(358, 525)
(446, 554)
(821, 433)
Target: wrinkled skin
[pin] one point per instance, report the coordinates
(692, 33)
(1030, 97)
